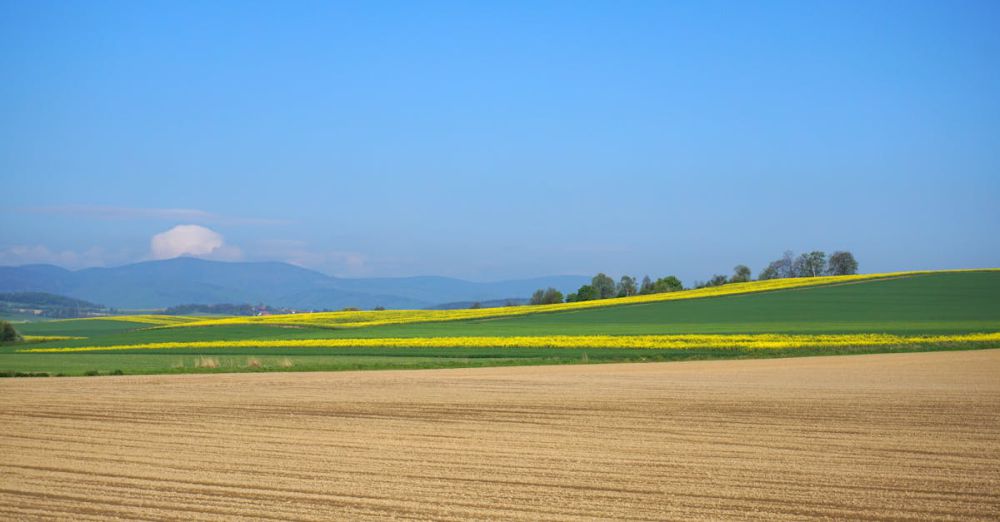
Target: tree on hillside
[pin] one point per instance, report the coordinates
(741, 274)
(842, 263)
(585, 293)
(626, 286)
(667, 284)
(647, 285)
(8, 334)
(787, 264)
(716, 280)
(772, 271)
(779, 268)
(604, 286)
(547, 296)
(812, 264)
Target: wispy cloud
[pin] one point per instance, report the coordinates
(34, 254)
(112, 213)
(335, 262)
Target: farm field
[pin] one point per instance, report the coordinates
(909, 312)
(500, 261)
(890, 436)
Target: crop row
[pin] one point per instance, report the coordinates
(760, 341)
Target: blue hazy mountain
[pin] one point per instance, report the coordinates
(158, 284)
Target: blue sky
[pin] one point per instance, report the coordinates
(499, 140)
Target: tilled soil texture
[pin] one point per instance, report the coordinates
(895, 437)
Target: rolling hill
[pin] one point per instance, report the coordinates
(910, 311)
(912, 303)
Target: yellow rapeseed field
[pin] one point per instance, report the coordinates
(355, 319)
(150, 319)
(656, 342)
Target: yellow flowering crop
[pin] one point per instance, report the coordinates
(147, 319)
(45, 338)
(759, 341)
(357, 319)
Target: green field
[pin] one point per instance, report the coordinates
(930, 304)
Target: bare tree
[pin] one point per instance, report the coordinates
(779, 268)
(647, 285)
(772, 271)
(842, 263)
(787, 264)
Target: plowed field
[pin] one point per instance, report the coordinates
(894, 436)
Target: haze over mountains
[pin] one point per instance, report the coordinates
(159, 284)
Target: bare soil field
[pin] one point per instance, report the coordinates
(892, 437)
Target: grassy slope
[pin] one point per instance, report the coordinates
(91, 328)
(924, 304)
(939, 303)
(928, 304)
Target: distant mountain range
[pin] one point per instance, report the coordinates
(493, 303)
(159, 284)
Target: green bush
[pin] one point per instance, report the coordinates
(8, 334)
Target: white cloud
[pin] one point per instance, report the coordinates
(193, 240)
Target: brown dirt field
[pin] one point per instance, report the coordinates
(894, 437)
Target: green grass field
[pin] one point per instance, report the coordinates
(931, 304)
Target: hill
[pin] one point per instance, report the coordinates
(160, 284)
(911, 303)
(46, 305)
(360, 319)
(910, 311)
(932, 303)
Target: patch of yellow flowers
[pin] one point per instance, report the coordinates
(356, 319)
(660, 342)
(151, 319)
(45, 338)
(143, 319)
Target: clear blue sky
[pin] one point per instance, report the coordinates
(497, 140)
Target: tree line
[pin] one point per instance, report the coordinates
(812, 264)
(602, 286)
